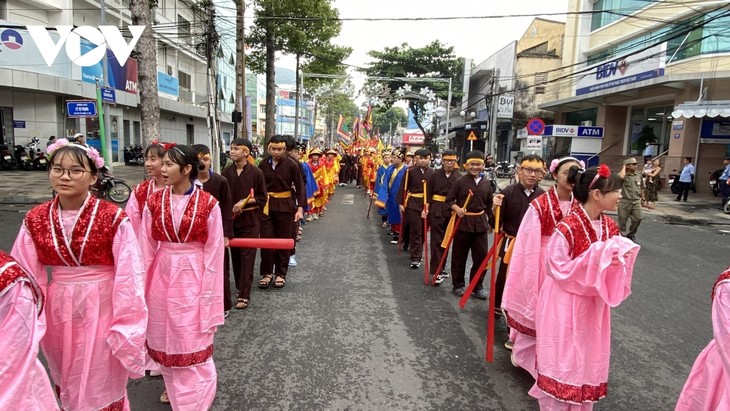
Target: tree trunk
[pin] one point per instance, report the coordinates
(240, 71)
(427, 137)
(149, 104)
(270, 83)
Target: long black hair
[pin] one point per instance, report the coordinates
(183, 155)
(583, 179)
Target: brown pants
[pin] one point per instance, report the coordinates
(276, 225)
(438, 228)
(244, 258)
(415, 234)
(464, 242)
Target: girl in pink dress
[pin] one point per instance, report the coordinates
(708, 385)
(23, 379)
(526, 270)
(153, 166)
(589, 269)
(95, 309)
(182, 243)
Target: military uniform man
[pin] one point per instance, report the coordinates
(632, 195)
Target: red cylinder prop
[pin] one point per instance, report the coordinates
(270, 243)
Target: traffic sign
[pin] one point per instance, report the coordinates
(472, 136)
(108, 95)
(535, 126)
(81, 108)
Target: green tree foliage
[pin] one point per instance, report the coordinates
(432, 60)
(388, 120)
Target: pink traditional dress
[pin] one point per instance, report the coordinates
(137, 201)
(708, 385)
(95, 308)
(23, 379)
(183, 248)
(589, 270)
(527, 271)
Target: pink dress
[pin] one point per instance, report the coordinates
(589, 270)
(137, 201)
(708, 385)
(95, 308)
(24, 382)
(183, 248)
(527, 271)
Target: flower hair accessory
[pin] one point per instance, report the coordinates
(93, 155)
(168, 146)
(558, 161)
(603, 171)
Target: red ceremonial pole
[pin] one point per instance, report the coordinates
(492, 295)
(270, 243)
(426, 273)
(483, 266)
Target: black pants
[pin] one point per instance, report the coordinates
(683, 190)
(438, 228)
(415, 233)
(244, 258)
(462, 243)
(724, 191)
(276, 225)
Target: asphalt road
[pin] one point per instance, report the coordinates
(355, 328)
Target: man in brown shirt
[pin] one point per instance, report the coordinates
(437, 210)
(411, 191)
(248, 194)
(286, 196)
(475, 223)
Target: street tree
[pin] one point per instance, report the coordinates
(387, 120)
(300, 27)
(434, 60)
(147, 71)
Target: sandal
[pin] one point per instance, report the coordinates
(280, 282)
(241, 303)
(265, 281)
(164, 398)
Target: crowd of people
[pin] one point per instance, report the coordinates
(154, 290)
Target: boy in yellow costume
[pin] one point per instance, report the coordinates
(332, 171)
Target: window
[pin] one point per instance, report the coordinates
(613, 10)
(185, 80)
(539, 89)
(183, 30)
(263, 108)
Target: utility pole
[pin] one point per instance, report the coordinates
(493, 114)
(211, 54)
(103, 115)
(296, 102)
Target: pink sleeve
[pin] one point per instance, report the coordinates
(147, 244)
(594, 273)
(129, 323)
(211, 306)
(521, 287)
(134, 212)
(23, 380)
(25, 254)
(721, 323)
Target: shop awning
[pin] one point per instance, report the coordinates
(710, 108)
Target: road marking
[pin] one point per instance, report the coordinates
(348, 199)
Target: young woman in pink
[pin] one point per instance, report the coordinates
(153, 166)
(589, 269)
(526, 269)
(95, 308)
(182, 243)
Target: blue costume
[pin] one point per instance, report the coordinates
(310, 184)
(379, 182)
(388, 193)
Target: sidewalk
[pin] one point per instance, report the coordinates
(19, 187)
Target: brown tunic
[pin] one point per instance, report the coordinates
(251, 177)
(285, 177)
(217, 186)
(481, 200)
(514, 206)
(414, 177)
(439, 184)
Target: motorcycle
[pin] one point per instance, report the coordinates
(505, 169)
(7, 162)
(23, 159)
(115, 189)
(714, 181)
(40, 161)
(673, 181)
(490, 175)
(134, 155)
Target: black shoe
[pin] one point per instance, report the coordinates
(405, 246)
(444, 274)
(676, 199)
(439, 280)
(415, 264)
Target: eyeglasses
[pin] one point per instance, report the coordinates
(529, 171)
(73, 173)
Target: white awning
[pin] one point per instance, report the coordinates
(711, 108)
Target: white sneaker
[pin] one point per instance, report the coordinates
(292, 261)
(154, 373)
(439, 280)
(315, 216)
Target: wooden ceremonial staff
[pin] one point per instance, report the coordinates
(491, 256)
(451, 237)
(370, 205)
(425, 237)
(245, 201)
(268, 243)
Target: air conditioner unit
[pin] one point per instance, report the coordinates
(587, 123)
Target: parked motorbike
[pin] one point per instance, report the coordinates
(134, 155)
(7, 161)
(714, 181)
(40, 162)
(505, 169)
(673, 181)
(115, 189)
(491, 176)
(22, 158)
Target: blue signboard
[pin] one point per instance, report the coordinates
(81, 108)
(108, 95)
(18, 124)
(168, 84)
(585, 131)
(558, 130)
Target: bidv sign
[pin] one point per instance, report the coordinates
(71, 37)
(609, 69)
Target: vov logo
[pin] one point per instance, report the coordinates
(71, 37)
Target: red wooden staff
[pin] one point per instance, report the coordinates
(492, 293)
(269, 243)
(491, 256)
(447, 241)
(426, 273)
